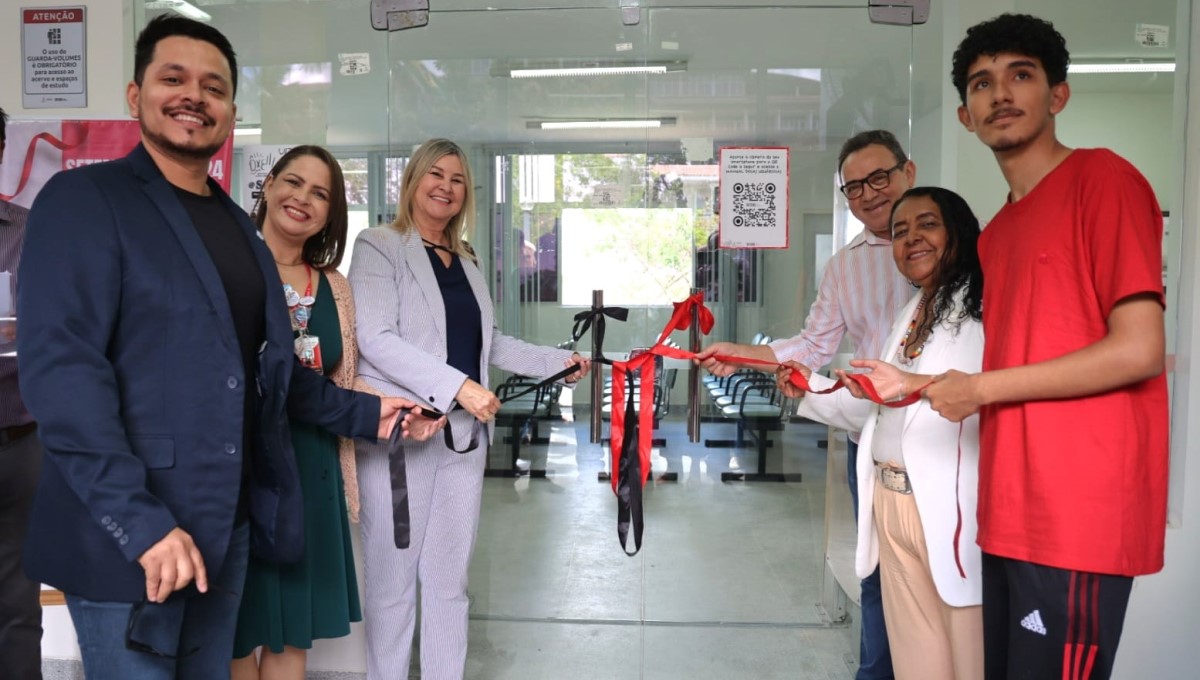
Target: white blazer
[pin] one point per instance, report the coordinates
(401, 320)
(931, 457)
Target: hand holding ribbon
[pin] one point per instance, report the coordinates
(954, 395)
(891, 384)
(783, 378)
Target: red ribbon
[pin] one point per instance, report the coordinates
(27, 168)
(643, 365)
(644, 368)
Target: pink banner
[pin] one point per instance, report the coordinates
(36, 149)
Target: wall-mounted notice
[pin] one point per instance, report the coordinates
(257, 161)
(54, 58)
(754, 197)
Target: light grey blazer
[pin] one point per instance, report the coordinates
(401, 321)
(942, 484)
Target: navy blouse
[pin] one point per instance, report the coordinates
(464, 322)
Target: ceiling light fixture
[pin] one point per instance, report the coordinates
(585, 70)
(180, 7)
(247, 131)
(601, 124)
(1124, 67)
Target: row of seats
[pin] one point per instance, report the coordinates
(523, 415)
(751, 399)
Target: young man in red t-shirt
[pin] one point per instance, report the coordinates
(1073, 398)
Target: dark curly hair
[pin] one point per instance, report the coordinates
(960, 266)
(1014, 34)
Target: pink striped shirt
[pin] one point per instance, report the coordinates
(860, 295)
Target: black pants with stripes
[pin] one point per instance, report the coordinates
(1044, 623)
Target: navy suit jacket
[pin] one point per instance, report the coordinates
(129, 361)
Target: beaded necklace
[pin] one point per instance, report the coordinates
(902, 355)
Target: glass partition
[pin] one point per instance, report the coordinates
(609, 182)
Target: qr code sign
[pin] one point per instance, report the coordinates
(754, 204)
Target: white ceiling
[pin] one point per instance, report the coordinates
(749, 74)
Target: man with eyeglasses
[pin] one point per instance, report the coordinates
(860, 295)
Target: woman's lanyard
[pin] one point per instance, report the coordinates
(307, 347)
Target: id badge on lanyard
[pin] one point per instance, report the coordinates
(307, 347)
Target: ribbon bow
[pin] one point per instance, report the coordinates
(587, 318)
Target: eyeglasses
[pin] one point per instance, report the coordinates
(879, 180)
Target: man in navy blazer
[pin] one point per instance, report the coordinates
(156, 353)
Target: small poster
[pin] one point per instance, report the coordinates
(54, 58)
(754, 197)
(257, 161)
(1153, 35)
(354, 63)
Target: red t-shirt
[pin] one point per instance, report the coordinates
(1080, 483)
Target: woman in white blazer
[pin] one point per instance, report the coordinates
(426, 329)
(917, 471)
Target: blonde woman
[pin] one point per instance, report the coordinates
(426, 331)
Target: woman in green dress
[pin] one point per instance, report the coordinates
(302, 217)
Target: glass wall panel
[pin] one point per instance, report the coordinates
(731, 572)
(729, 581)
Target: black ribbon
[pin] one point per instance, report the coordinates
(448, 432)
(630, 476)
(588, 318)
(401, 522)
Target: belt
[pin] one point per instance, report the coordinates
(9, 435)
(894, 479)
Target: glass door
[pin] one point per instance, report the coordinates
(594, 137)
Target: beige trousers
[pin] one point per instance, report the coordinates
(930, 639)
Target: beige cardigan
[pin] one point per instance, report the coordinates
(344, 376)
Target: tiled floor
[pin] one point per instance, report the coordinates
(726, 585)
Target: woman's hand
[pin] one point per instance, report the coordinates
(890, 382)
(585, 365)
(783, 378)
(390, 409)
(478, 401)
(419, 427)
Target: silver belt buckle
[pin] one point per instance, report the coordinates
(895, 480)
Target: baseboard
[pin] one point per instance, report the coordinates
(72, 669)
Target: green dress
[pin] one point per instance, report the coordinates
(318, 596)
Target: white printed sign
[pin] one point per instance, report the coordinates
(354, 63)
(754, 197)
(257, 161)
(1153, 35)
(54, 58)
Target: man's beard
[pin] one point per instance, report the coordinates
(160, 141)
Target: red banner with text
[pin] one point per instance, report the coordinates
(36, 149)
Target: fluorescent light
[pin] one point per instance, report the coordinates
(180, 7)
(247, 131)
(593, 69)
(1124, 67)
(585, 71)
(601, 124)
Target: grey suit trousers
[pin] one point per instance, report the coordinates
(444, 491)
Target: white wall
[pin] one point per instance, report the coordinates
(109, 58)
(1163, 623)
